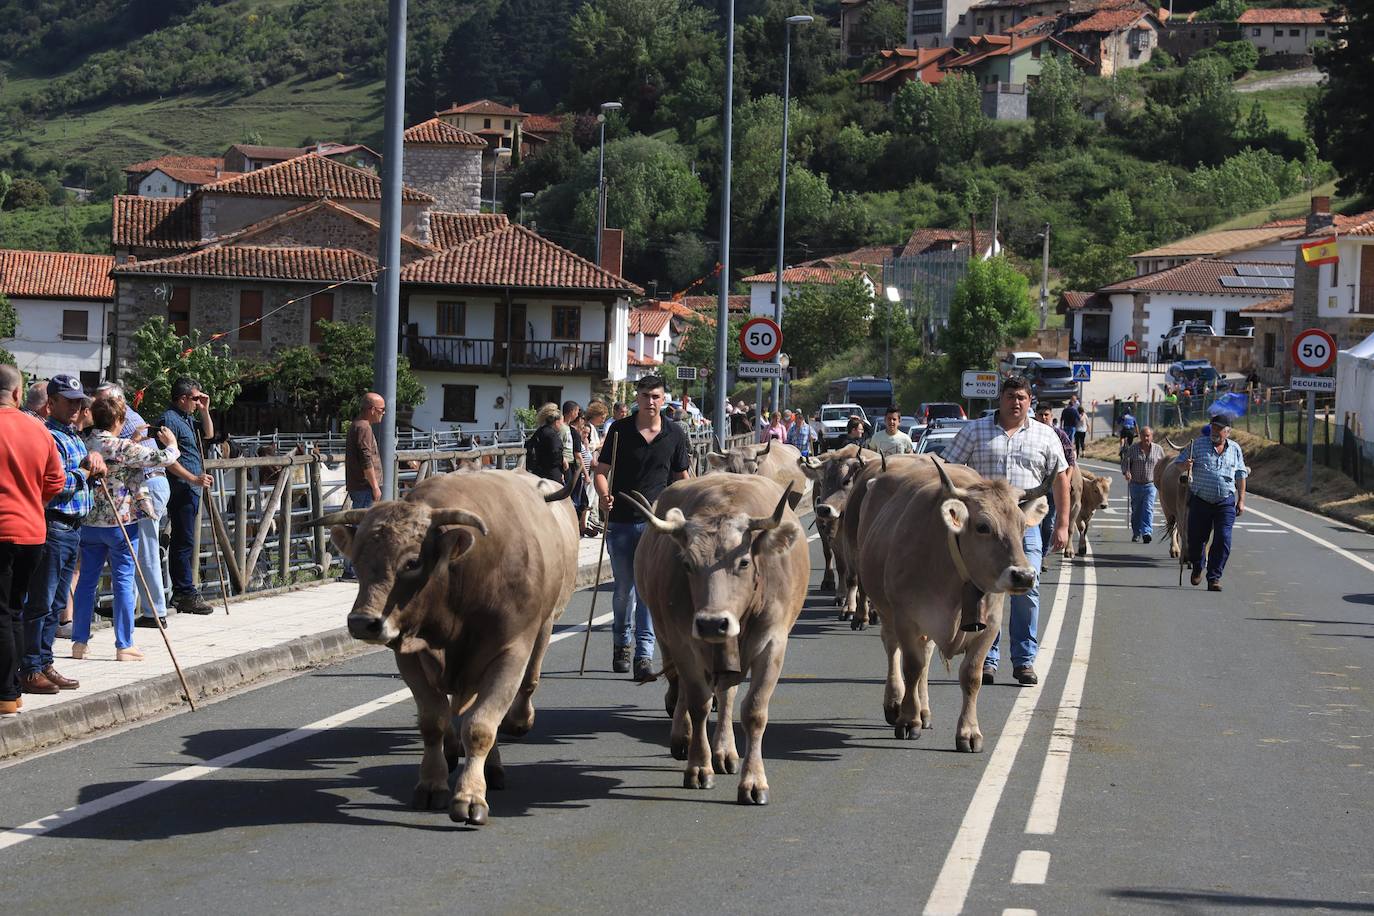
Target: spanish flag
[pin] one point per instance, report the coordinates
(1319, 252)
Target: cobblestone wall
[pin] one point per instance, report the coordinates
(452, 175)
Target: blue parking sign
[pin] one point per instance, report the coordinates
(1082, 372)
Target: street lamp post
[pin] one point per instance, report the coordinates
(525, 197)
(894, 295)
(782, 177)
(1044, 277)
(601, 176)
(723, 304)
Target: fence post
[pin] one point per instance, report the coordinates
(1281, 429)
(241, 521)
(1326, 438)
(284, 530)
(1249, 404)
(319, 532)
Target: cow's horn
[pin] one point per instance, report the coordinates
(769, 522)
(346, 517)
(766, 448)
(636, 499)
(1037, 492)
(882, 456)
(950, 488)
(563, 493)
(457, 517)
(811, 461)
(1172, 445)
(854, 471)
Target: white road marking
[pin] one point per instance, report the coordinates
(1049, 793)
(1013, 911)
(1339, 551)
(956, 875)
(66, 818)
(1032, 867)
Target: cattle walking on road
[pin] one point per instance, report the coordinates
(775, 460)
(724, 567)
(463, 579)
(1088, 493)
(1171, 481)
(832, 476)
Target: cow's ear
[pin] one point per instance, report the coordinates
(341, 536)
(1035, 513)
(459, 542)
(779, 539)
(955, 514)
(715, 461)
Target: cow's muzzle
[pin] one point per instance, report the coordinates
(366, 627)
(1020, 579)
(715, 627)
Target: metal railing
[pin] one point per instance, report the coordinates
(487, 354)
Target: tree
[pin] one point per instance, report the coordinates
(1056, 103)
(882, 24)
(990, 308)
(1341, 117)
(821, 321)
(9, 327)
(947, 119)
(330, 384)
(161, 356)
(699, 349)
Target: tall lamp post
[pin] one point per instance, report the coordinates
(525, 197)
(723, 304)
(388, 284)
(782, 176)
(1044, 277)
(894, 295)
(601, 176)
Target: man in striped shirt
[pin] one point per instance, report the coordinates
(1216, 488)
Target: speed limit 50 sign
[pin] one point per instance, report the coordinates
(760, 339)
(1313, 350)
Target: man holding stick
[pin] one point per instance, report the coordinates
(648, 453)
(188, 418)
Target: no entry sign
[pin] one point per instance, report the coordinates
(1313, 350)
(1131, 348)
(760, 339)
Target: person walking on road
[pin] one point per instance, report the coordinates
(1008, 445)
(1071, 421)
(1138, 468)
(890, 440)
(854, 434)
(50, 588)
(801, 434)
(30, 474)
(189, 420)
(363, 460)
(1045, 416)
(1126, 428)
(1216, 498)
(648, 453)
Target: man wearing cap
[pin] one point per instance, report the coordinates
(52, 581)
(189, 419)
(1216, 487)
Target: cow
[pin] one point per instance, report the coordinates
(855, 605)
(934, 539)
(831, 474)
(775, 460)
(723, 566)
(1088, 493)
(1171, 480)
(463, 579)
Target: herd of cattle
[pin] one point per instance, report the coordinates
(464, 577)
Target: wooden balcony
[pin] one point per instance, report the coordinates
(475, 354)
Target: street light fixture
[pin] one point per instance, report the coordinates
(601, 176)
(782, 177)
(525, 197)
(894, 295)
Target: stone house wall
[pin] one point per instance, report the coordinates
(452, 175)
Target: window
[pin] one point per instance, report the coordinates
(486, 123)
(507, 123)
(1321, 33)
(979, 21)
(250, 310)
(1294, 33)
(460, 404)
(179, 310)
(1035, 52)
(75, 324)
(1278, 33)
(321, 309)
(1255, 32)
(545, 394)
(567, 322)
(450, 319)
(1270, 346)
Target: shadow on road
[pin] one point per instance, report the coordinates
(1199, 901)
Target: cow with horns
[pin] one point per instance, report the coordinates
(832, 475)
(775, 460)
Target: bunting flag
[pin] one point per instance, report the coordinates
(1321, 251)
(715, 272)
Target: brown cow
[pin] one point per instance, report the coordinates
(830, 474)
(775, 460)
(1088, 493)
(723, 567)
(963, 533)
(463, 579)
(1171, 480)
(856, 605)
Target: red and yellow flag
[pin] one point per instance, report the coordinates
(1319, 252)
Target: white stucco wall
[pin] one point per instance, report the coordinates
(1268, 42)
(429, 415)
(159, 184)
(39, 348)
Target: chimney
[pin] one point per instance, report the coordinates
(1320, 218)
(1306, 277)
(612, 250)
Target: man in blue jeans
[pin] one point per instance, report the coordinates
(1216, 498)
(1045, 415)
(648, 452)
(189, 420)
(1138, 467)
(51, 583)
(362, 460)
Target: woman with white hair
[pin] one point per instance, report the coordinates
(546, 448)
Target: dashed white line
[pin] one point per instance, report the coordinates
(1339, 551)
(1032, 867)
(1014, 911)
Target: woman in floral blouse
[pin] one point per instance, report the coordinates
(100, 535)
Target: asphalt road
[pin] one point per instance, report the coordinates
(1185, 752)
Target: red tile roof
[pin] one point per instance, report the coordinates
(1283, 16)
(154, 222)
(872, 256)
(250, 262)
(543, 124)
(175, 162)
(1073, 300)
(1104, 21)
(311, 176)
(55, 275)
(269, 152)
(449, 230)
(1030, 24)
(435, 132)
(1354, 224)
(634, 359)
(710, 305)
(675, 309)
(1276, 306)
(484, 107)
(514, 257)
(807, 273)
(651, 322)
(926, 241)
(982, 47)
(196, 177)
(920, 61)
(1202, 275)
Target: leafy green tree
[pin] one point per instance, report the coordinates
(332, 383)
(948, 119)
(699, 349)
(1057, 104)
(820, 321)
(1341, 117)
(161, 356)
(882, 24)
(1241, 55)
(26, 194)
(990, 308)
(9, 327)
(1210, 112)
(1223, 11)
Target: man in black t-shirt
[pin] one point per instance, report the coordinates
(649, 452)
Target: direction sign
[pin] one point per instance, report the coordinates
(760, 339)
(1324, 384)
(759, 370)
(686, 373)
(1131, 348)
(1313, 350)
(979, 384)
(1082, 372)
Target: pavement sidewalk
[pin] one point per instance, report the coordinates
(261, 637)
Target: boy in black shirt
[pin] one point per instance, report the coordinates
(649, 452)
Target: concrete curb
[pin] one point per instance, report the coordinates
(80, 718)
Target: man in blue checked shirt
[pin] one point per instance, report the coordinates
(52, 582)
(1216, 486)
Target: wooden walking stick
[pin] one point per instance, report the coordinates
(600, 557)
(138, 570)
(214, 538)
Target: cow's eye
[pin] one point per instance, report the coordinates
(411, 565)
(744, 564)
(688, 567)
(983, 528)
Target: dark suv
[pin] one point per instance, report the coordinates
(1051, 381)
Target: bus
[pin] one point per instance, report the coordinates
(871, 393)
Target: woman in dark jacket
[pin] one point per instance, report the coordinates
(548, 444)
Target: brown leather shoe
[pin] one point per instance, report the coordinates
(1025, 675)
(1196, 577)
(1213, 585)
(37, 682)
(63, 683)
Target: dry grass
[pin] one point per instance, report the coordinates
(1276, 471)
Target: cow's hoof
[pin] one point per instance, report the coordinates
(828, 583)
(670, 698)
(906, 731)
(1082, 551)
(927, 721)
(698, 778)
(752, 795)
(725, 763)
(969, 744)
(844, 615)
(678, 748)
(858, 623)
(430, 798)
(496, 776)
(890, 712)
(511, 729)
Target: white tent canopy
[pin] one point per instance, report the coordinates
(1355, 388)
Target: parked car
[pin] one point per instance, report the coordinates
(1190, 373)
(1016, 362)
(835, 422)
(1051, 381)
(933, 410)
(1171, 346)
(936, 440)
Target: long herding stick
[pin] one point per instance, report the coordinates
(138, 570)
(601, 555)
(214, 540)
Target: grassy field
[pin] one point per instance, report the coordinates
(1296, 205)
(1285, 108)
(40, 229)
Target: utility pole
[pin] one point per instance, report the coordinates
(388, 285)
(1045, 277)
(782, 184)
(723, 308)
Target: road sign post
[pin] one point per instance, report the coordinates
(978, 384)
(759, 370)
(1313, 351)
(760, 339)
(1131, 348)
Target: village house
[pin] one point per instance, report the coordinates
(1293, 32)
(763, 288)
(63, 304)
(1116, 39)
(500, 126)
(906, 65)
